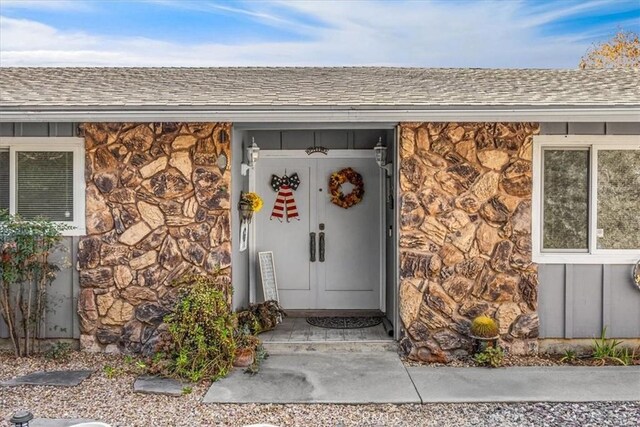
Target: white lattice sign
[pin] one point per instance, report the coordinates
(268, 276)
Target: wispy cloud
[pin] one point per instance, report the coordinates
(52, 5)
(366, 32)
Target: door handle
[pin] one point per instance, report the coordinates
(321, 246)
(312, 247)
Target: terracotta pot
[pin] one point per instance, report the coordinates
(243, 357)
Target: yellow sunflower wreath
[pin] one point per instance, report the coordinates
(335, 188)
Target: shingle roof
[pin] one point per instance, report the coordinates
(342, 88)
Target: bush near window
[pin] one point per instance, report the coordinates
(25, 274)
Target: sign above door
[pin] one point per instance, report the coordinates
(317, 149)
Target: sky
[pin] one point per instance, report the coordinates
(437, 33)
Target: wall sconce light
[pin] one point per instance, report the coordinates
(381, 157)
(253, 154)
(222, 162)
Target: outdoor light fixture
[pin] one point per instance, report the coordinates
(21, 419)
(222, 162)
(381, 156)
(253, 153)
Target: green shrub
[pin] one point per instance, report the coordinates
(25, 274)
(201, 327)
(58, 351)
(490, 356)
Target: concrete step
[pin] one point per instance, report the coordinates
(330, 346)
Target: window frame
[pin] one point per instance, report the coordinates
(52, 144)
(592, 255)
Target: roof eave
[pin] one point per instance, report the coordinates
(315, 114)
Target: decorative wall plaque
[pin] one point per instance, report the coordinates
(268, 276)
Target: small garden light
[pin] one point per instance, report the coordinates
(21, 419)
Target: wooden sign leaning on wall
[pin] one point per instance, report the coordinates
(268, 276)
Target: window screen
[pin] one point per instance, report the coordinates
(618, 199)
(44, 185)
(566, 199)
(4, 179)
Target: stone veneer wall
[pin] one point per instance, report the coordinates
(157, 206)
(465, 239)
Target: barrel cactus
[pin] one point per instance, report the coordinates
(484, 327)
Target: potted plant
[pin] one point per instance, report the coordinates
(248, 204)
(484, 330)
(246, 346)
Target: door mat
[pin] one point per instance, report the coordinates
(344, 322)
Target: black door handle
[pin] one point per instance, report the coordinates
(312, 247)
(321, 246)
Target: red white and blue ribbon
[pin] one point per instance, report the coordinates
(285, 205)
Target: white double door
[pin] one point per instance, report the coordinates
(330, 257)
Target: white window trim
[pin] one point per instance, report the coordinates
(592, 255)
(75, 145)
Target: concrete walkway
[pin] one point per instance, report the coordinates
(380, 377)
(312, 377)
(527, 384)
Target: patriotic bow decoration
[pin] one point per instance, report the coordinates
(285, 204)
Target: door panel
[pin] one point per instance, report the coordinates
(289, 241)
(350, 276)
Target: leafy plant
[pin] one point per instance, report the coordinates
(605, 349)
(245, 339)
(260, 356)
(187, 390)
(140, 365)
(201, 328)
(261, 317)
(58, 351)
(111, 372)
(134, 365)
(484, 327)
(569, 356)
(25, 274)
(490, 356)
(626, 357)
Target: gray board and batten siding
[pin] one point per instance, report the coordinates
(61, 318)
(578, 300)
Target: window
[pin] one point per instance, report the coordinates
(44, 177)
(586, 200)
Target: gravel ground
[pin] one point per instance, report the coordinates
(112, 400)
